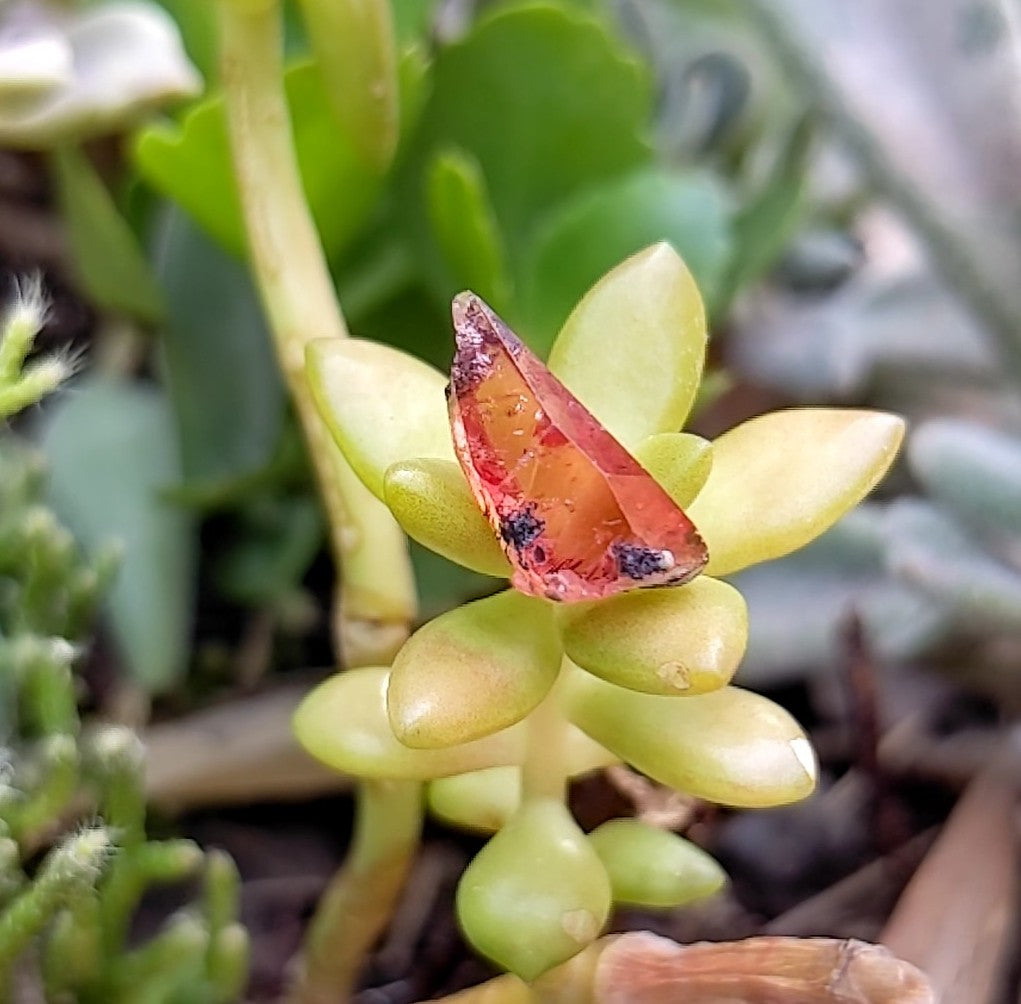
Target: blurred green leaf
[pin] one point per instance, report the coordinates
(767, 221)
(108, 260)
(590, 233)
(112, 449)
(222, 376)
(276, 541)
(565, 105)
(465, 227)
(191, 163)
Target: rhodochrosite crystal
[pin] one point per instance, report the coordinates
(578, 516)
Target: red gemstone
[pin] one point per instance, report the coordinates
(578, 516)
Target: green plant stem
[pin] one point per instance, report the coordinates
(544, 772)
(376, 602)
(358, 902)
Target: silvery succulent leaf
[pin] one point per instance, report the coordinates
(799, 607)
(68, 75)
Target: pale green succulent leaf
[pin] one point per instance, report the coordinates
(648, 866)
(729, 746)
(778, 481)
(473, 671)
(380, 404)
(679, 461)
(633, 348)
(343, 723)
(677, 641)
(536, 894)
(431, 500)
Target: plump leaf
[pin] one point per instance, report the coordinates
(465, 228)
(191, 164)
(536, 894)
(221, 373)
(355, 49)
(679, 461)
(433, 504)
(112, 450)
(565, 105)
(780, 480)
(343, 723)
(473, 671)
(381, 405)
(686, 640)
(481, 801)
(632, 350)
(484, 800)
(974, 469)
(108, 260)
(648, 866)
(731, 746)
(585, 236)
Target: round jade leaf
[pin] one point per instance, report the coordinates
(633, 348)
(536, 894)
(731, 746)
(779, 480)
(483, 800)
(431, 500)
(680, 640)
(343, 723)
(380, 404)
(679, 461)
(653, 867)
(473, 671)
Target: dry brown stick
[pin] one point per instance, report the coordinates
(956, 917)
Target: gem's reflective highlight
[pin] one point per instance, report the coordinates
(578, 516)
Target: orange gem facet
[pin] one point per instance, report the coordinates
(578, 516)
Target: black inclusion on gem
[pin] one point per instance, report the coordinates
(638, 562)
(521, 528)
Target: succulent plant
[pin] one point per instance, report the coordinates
(499, 702)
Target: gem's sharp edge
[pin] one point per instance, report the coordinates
(577, 515)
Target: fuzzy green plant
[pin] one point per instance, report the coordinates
(65, 921)
(497, 704)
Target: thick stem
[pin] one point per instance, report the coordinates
(544, 772)
(376, 601)
(359, 901)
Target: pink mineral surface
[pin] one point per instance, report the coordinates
(577, 515)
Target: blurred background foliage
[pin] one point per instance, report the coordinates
(850, 248)
(844, 257)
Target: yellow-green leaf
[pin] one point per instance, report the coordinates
(730, 746)
(681, 640)
(380, 404)
(779, 480)
(679, 461)
(343, 723)
(473, 671)
(633, 348)
(433, 504)
(483, 800)
(536, 894)
(653, 867)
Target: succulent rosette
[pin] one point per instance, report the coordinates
(641, 677)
